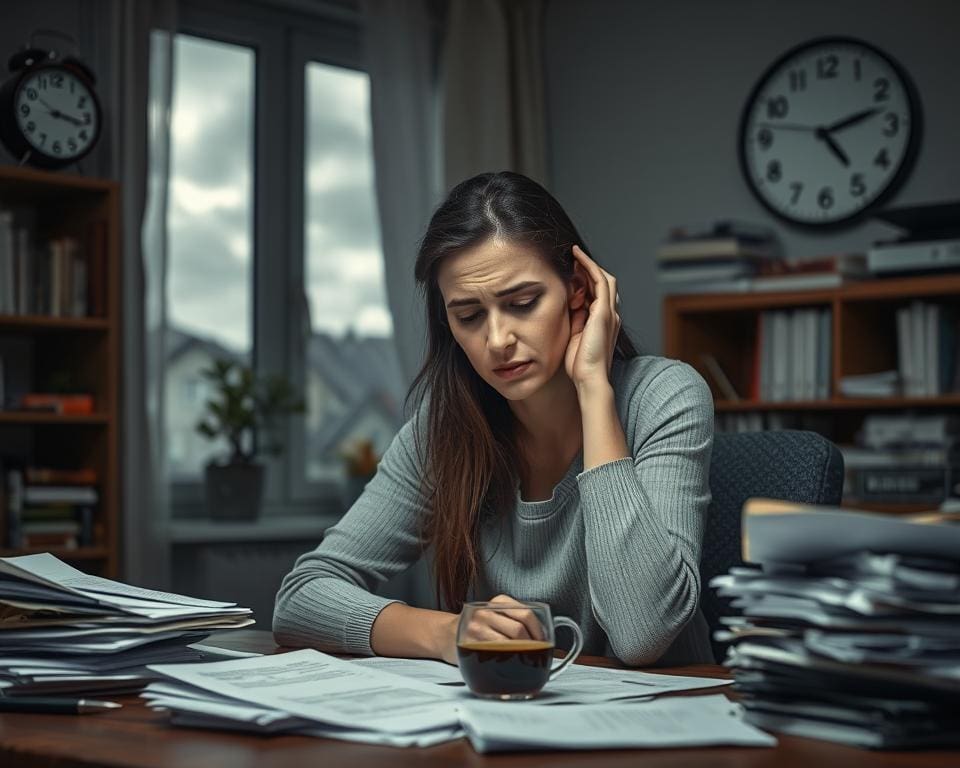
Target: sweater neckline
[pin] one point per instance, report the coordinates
(546, 507)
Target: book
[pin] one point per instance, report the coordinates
(720, 377)
(66, 404)
(59, 494)
(717, 247)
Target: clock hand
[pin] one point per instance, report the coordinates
(824, 135)
(855, 118)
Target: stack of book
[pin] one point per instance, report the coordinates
(63, 631)
(927, 342)
(793, 354)
(41, 278)
(50, 508)
(715, 257)
(903, 458)
(849, 630)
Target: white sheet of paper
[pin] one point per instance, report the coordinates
(689, 721)
(419, 669)
(50, 570)
(819, 533)
(326, 689)
(577, 684)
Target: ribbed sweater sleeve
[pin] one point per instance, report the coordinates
(644, 516)
(326, 602)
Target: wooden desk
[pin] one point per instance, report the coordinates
(136, 736)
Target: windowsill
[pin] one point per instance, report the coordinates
(264, 529)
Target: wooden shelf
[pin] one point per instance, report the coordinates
(869, 404)
(863, 339)
(43, 323)
(44, 353)
(81, 553)
(40, 417)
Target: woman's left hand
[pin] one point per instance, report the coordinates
(594, 326)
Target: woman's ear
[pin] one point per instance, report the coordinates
(577, 288)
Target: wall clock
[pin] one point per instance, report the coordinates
(49, 111)
(829, 131)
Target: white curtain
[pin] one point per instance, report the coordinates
(399, 47)
(142, 39)
(494, 107)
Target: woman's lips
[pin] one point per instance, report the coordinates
(513, 372)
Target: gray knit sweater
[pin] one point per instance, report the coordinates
(616, 548)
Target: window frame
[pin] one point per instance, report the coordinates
(283, 40)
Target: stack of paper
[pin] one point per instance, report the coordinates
(63, 631)
(307, 692)
(850, 632)
(408, 702)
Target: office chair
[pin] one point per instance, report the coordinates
(792, 465)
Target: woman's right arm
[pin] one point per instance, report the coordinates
(326, 601)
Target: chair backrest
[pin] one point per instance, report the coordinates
(792, 465)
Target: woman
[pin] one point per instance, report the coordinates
(547, 460)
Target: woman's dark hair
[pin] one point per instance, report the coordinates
(471, 458)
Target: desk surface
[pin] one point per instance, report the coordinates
(136, 736)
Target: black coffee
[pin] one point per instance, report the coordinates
(505, 666)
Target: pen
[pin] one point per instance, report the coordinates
(54, 705)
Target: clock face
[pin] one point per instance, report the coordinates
(56, 113)
(829, 130)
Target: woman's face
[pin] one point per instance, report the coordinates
(510, 313)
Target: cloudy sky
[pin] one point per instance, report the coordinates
(211, 225)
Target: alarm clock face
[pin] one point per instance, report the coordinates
(830, 129)
(57, 113)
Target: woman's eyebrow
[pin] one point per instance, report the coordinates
(505, 292)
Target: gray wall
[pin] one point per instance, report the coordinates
(644, 101)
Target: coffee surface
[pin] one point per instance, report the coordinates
(505, 667)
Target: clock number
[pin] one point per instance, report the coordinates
(82, 103)
(798, 80)
(31, 127)
(773, 171)
(86, 118)
(795, 189)
(56, 80)
(881, 86)
(83, 135)
(43, 138)
(856, 69)
(25, 109)
(893, 124)
(72, 144)
(881, 159)
(777, 107)
(825, 198)
(857, 187)
(827, 67)
(32, 94)
(765, 138)
(56, 147)
(42, 82)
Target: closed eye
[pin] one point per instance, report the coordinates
(525, 306)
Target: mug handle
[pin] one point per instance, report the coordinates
(563, 621)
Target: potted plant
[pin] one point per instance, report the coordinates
(244, 411)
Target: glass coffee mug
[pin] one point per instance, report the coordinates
(509, 669)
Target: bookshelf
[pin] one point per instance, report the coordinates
(863, 340)
(80, 347)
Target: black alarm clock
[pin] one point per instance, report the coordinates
(49, 112)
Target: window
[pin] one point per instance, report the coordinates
(353, 380)
(210, 234)
(272, 188)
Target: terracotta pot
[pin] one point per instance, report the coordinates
(234, 491)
